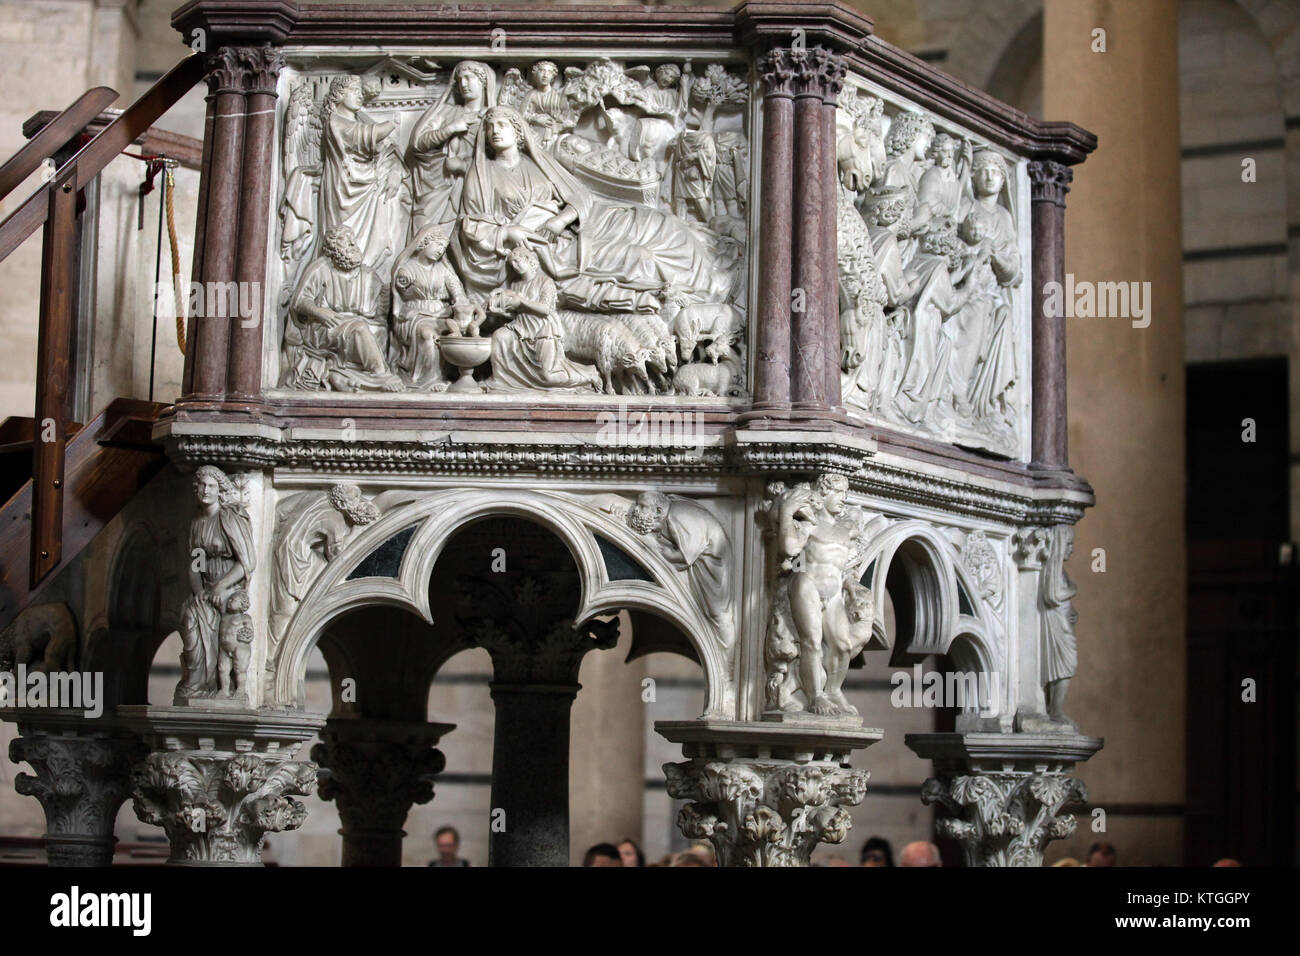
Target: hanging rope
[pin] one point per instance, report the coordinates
(169, 193)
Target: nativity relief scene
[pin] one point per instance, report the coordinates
(929, 268)
(470, 227)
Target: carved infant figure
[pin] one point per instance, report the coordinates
(236, 648)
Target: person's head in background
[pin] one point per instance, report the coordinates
(602, 854)
(877, 852)
(920, 853)
(1101, 854)
(448, 843)
(631, 853)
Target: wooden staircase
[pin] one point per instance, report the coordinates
(63, 482)
(107, 461)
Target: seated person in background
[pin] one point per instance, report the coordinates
(602, 854)
(1101, 854)
(920, 853)
(877, 852)
(448, 841)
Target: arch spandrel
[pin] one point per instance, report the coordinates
(439, 515)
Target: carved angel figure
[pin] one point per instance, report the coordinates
(363, 180)
(310, 533)
(302, 171)
(543, 105)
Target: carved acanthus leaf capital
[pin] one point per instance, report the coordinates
(1005, 819)
(777, 69)
(218, 808)
(818, 72)
(245, 69)
(765, 813)
(1049, 181)
(375, 782)
(261, 67)
(80, 781)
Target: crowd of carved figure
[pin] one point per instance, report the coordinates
(580, 231)
(928, 256)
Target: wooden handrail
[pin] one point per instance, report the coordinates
(53, 369)
(91, 159)
(55, 207)
(53, 137)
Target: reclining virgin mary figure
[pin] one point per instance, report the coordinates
(604, 256)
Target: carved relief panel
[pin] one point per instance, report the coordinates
(933, 254)
(516, 225)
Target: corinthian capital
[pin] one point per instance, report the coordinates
(1049, 181)
(261, 67)
(777, 69)
(765, 812)
(376, 781)
(1005, 819)
(81, 782)
(818, 72)
(217, 808)
(245, 69)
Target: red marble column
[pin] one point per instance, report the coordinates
(1049, 182)
(221, 221)
(262, 67)
(772, 359)
(830, 230)
(200, 223)
(808, 350)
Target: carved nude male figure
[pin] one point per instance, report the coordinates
(817, 536)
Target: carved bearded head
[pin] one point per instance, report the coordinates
(342, 249)
(348, 501)
(647, 515)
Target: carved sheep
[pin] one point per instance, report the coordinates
(613, 348)
(696, 323)
(653, 334)
(727, 377)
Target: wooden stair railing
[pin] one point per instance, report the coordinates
(108, 461)
(52, 138)
(55, 207)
